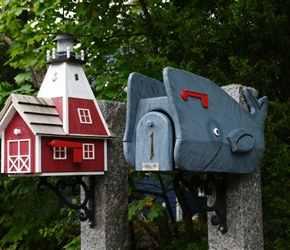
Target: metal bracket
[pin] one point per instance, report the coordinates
(212, 182)
(74, 184)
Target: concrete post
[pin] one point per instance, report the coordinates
(244, 205)
(111, 190)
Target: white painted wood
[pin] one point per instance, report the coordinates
(7, 116)
(105, 156)
(57, 174)
(37, 154)
(66, 79)
(2, 151)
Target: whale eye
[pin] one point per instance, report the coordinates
(216, 132)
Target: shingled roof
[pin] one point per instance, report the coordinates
(39, 113)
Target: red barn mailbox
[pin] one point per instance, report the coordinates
(62, 130)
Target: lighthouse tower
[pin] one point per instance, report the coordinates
(68, 87)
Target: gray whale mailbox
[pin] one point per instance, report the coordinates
(189, 123)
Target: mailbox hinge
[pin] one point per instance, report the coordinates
(210, 183)
(74, 183)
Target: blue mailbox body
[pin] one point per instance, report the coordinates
(189, 123)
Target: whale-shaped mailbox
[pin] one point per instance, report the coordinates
(189, 123)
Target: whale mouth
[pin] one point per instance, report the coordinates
(196, 155)
(213, 158)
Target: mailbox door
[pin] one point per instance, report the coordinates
(154, 143)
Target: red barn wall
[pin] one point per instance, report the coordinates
(76, 127)
(50, 165)
(58, 105)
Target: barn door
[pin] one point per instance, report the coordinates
(19, 156)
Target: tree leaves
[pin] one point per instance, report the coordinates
(22, 78)
(29, 220)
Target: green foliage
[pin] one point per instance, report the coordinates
(22, 78)
(6, 89)
(153, 224)
(154, 209)
(276, 177)
(74, 244)
(142, 202)
(7, 77)
(224, 41)
(29, 220)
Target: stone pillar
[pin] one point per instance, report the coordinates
(111, 190)
(244, 205)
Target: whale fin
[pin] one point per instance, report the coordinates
(257, 107)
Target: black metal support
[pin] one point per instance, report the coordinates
(74, 184)
(218, 183)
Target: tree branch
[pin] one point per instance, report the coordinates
(149, 230)
(187, 216)
(6, 39)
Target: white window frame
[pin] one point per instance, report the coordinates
(21, 163)
(90, 150)
(85, 116)
(57, 153)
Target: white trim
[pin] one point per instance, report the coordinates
(105, 155)
(7, 117)
(38, 151)
(2, 152)
(59, 151)
(85, 119)
(90, 150)
(56, 174)
(88, 136)
(65, 105)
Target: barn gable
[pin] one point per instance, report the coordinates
(40, 114)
